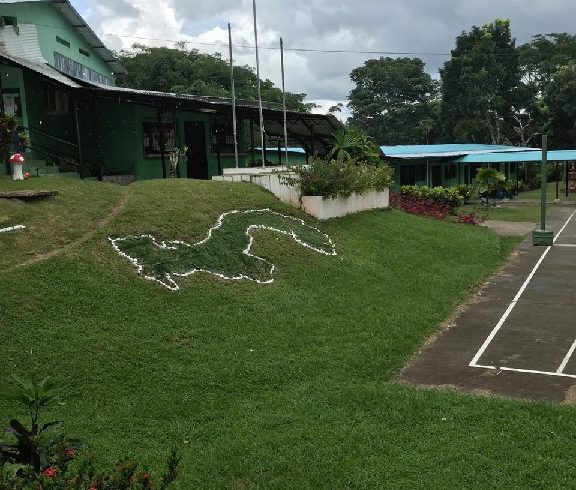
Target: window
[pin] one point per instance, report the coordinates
(407, 175)
(55, 101)
(62, 41)
(223, 138)
(8, 21)
(152, 134)
(451, 172)
(421, 171)
(12, 102)
(78, 70)
(84, 52)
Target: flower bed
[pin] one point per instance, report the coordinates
(422, 206)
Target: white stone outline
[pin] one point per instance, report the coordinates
(12, 228)
(172, 286)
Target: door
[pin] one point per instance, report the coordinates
(436, 176)
(195, 138)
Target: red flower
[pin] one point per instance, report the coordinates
(69, 452)
(50, 472)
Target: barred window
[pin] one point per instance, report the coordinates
(153, 132)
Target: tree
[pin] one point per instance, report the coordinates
(391, 98)
(185, 71)
(335, 108)
(560, 98)
(480, 85)
(547, 65)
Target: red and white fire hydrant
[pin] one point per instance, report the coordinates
(17, 162)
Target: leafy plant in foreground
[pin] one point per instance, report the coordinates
(37, 445)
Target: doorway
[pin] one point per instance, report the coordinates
(195, 139)
(436, 177)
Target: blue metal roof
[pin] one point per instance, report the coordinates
(290, 149)
(521, 156)
(448, 150)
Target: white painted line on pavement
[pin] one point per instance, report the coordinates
(512, 305)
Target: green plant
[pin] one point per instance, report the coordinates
(489, 179)
(354, 145)
(8, 125)
(331, 179)
(36, 446)
(466, 191)
(449, 195)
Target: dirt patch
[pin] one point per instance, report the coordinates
(115, 211)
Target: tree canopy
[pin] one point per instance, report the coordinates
(480, 85)
(182, 71)
(393, 100)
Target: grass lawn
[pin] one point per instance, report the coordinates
(505, 212)
(550, 193)
(284, 385)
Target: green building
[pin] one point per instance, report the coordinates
(59, 80)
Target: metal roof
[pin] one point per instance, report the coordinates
(76, 20)
(313, 131)
(290, 149)
(22, 45)
(523, 156)
(40, 68)
(448, 150)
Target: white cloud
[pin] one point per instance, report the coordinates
(425, 26)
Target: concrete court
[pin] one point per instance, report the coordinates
(517, 337)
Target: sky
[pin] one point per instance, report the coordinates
(427, 28)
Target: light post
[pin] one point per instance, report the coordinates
(543, 237)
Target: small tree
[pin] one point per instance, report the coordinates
(489, 180)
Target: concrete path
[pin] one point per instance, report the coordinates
(510, 228)
(517, 337)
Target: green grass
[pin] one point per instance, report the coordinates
(550, 193)
(505, 212)
(286, 385)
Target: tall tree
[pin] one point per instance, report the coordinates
(560, 98)
(480, 85)
(547, 64)
(392, 98)
(188, 71)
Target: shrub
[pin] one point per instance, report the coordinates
(466, 191)
(470, 219)
(340, 179)
(446, 195)
(422, 206)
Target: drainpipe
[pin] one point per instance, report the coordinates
(162, 143)
(81, 168)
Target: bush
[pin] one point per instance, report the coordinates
(422, 206)
(445, 195)
(470, 219)
(466, 191)
(331, 179)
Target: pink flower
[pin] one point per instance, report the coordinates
(50, 472)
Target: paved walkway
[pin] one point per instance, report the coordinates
(517, 337)
(510, 228)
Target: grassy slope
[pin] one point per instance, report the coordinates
(286, 385)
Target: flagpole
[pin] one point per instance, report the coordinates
(258, 86)
(233, 89)
(284, 100)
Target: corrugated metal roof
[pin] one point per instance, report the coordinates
(523, 156)
(40, 68)
(290, 150)
(24, 44)
(66, 8)
(448, 150)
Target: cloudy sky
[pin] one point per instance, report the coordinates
(416, 26)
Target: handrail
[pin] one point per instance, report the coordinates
(53, 155)
(42, 133)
